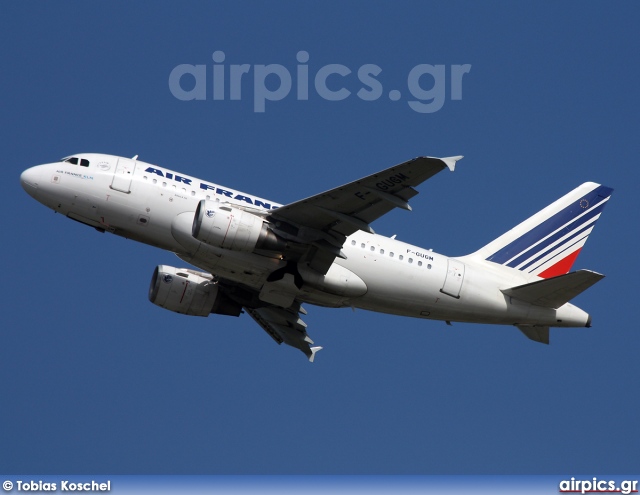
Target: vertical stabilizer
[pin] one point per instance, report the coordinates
(548, 243)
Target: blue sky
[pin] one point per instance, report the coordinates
(95, 379)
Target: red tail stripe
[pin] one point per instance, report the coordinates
(561, 267)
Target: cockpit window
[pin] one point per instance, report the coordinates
(83, 162)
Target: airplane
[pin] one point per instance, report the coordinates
(267, 259)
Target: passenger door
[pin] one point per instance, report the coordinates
(123, 175)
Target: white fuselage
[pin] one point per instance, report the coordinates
(156, 206)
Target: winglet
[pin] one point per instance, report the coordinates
(450, 161)
(313, 353)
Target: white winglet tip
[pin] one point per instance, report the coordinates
(450, 161)
(313, 353)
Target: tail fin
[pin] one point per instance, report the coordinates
(548, 243)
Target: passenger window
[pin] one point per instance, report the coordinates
(400, 257)
(362, 245)
(84, 163)
(373, 248)
(353, 243)
(382, 251)
(419, 263)
(391, 255)
(410, 260)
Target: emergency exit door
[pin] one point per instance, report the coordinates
(454, 278)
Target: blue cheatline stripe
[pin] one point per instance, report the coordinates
(561, 253)
(542, 246)
(550, 225)
(547, 251)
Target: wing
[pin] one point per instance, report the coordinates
(324, 221)
(282, 323)
(285, 325)
(318, 227)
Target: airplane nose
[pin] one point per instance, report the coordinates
(29, 180)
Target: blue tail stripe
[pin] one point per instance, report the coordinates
(543, 245)
(550, 225)
(561, 253)
(547, 251)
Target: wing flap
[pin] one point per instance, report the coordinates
(556, 291)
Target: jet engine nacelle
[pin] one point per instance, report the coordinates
(231, 228)
(189, 292)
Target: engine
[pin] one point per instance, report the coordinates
(231, 228)
(189, 292)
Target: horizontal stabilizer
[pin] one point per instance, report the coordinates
(556, 291)
(539, 334)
